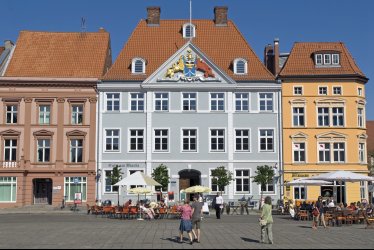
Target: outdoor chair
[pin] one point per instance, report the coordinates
(329, 218)
(348, 217)
(133, 212)
(174, 212)
(162, 212)
(108, 211)
(339, 218)
(303, 215)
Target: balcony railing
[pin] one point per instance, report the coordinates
(9, 164)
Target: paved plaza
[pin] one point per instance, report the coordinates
(77, 230)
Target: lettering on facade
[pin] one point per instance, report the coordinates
(300, 175)
(127, 165)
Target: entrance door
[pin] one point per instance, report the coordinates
(42, 191)
(189, 178)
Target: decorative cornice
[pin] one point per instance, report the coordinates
(43, 133)
(75, 133)
(60, 100)
(28, 99)
(93, 100)
(10, 132)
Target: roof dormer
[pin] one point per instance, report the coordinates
(240, 66)
(189, 30)
(327, 58)
(138, 66)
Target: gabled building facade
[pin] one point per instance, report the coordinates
(324, 128)
(192, 96)
(48, 117)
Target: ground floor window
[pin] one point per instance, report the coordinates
(109, 188)
(75, 185)
(8, 189)
(362, 190)
(299, 193)
(242, 181)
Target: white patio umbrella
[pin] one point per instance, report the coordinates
(307, 182)
(137, 179)
(340, 176)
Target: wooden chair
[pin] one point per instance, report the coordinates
(348, 217)
(329, 218)
(303, 215)
(108, 211)
(174, 212)
(162, 212)
(339, 218)
(133, 212)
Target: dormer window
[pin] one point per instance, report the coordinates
(327, 59)
(189, 30)
(240, 66)
(138, 66)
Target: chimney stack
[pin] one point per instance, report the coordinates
(276, 56)
(220, 15)
(268, 57)
(153, 18)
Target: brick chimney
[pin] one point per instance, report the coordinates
(276, 56)
(153, 18)
(220, 15)
(268, 57)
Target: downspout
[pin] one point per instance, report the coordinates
(97, 178)
(280, 143)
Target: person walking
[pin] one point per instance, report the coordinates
(185, 224)
(315, 213)
(219, 205)
(266, 221)
(320, 207)
(197, 212)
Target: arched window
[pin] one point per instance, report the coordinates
(240, 66)
(138, 66)
(188, 30)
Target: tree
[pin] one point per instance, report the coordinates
(371, 163)
(115, 176)
(264, 176)
(161, 175)
(221, 177)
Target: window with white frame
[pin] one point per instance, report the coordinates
(161, 101)
(188, 30)
(10, 150)
(137, 101)
(76, 150)
(240, 66)
(268, 188)
(217, 102)
(189, 140)
(298, 90)
(362, 190)
(361, 152)
(242, 181)
(337, 90)
(324, 152)
(241, 101)
(299, 193)
(44, 150)
(8, 189)
(189, 101)
(112, 140)
(322, 90)
(318, 58)
(77, 114)
(217, 140)
(323, 117)
(338, 117)
(266, 102)
(113, 101)
(339, 151)
(242, 140)
(138, 66)
(298, 117)
(360, 92)
(75, 185)
(109, 188)
(327, 59)
(299, 152)
(137, 140)
(161, 138)
(11, 114)
(360, 117)
(213, 184)
(133, 172)
(335, 59)
(44, 114)
(266, 140)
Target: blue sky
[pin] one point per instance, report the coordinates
(259, 21)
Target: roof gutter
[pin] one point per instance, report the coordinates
(327, 77)
(46, 79)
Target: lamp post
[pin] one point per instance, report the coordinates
(98, 176)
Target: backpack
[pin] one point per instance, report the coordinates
(315, 212)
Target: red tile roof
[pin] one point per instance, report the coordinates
(301, 61)
(370, 133)
(156, 44)
(2, 49)
(60, 55)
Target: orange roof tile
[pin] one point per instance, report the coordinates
(60, 54)
(301, 61)
(156, 44)
(370, 133)
(2, 49)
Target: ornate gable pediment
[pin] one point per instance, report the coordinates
(298, 101)
(76, 133)
(362, 136)
(10, 132)
(330, 101)
(332, 135)
(188, 65)
(299, 135)
(43, 132)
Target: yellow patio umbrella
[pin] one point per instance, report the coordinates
(140, 190)
(198, 189)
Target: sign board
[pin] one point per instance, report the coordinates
(77, 198)
(76, 180)
(300, 175)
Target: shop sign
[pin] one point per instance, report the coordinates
(300, 175)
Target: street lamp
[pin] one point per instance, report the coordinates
(98, 176)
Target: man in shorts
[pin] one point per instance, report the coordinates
(197, 212)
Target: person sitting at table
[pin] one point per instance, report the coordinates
(127, 203)
(303, 206)
(152, 206)
(331, 203)
(145, 210)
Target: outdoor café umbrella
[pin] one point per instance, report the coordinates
(307, 182)
(139, 179)
(341, 176)
(198, 189)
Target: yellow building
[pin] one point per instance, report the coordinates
(323, 99)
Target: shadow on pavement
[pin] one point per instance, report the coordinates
(249, 240)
